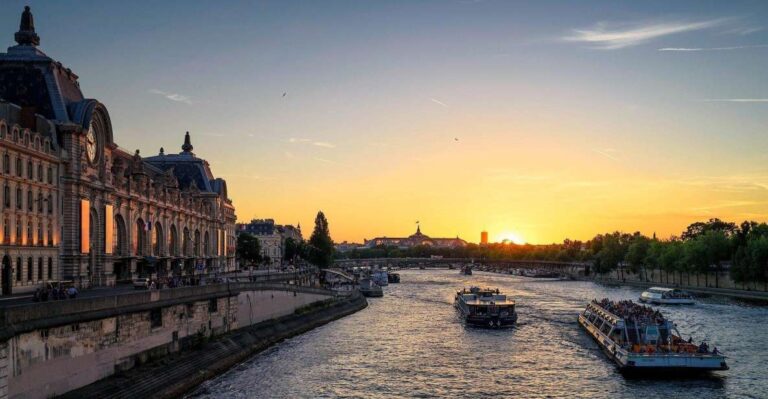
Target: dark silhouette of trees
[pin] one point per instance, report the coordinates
(248, 249)
(320, 243)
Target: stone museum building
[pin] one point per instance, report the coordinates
(76, 206)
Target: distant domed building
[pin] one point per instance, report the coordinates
(414, 240)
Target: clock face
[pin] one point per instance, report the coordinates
(90, 145)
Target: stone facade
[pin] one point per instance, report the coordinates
(271, 237)
(83, 208)
(30, 200)
(415, 240)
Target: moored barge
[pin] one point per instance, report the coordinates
(640, 340)
(486, 307)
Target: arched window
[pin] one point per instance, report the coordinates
(197, 242)
(50, 175)
(7, 196)
(30, 269)
(39, 268)
(26, 139)
(30, 201)
(6, 164)
(185, 242)
(19, 198)
(173, 246)
(50, 204)
(50, 268)
(6, 231)
(50, 234)
(30, 170)
(29, 233)
(40, 172)
(140, 237)
(3, 130)
(40, 233)
(19, 268)
(19, 171)
(206, 244)
(157, 239)
(40, 202)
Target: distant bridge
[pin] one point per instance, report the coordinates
(574, 269)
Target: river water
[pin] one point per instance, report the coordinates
(411, 344)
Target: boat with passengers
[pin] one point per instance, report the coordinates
(485, 307)
(640, 339)
(666, 296)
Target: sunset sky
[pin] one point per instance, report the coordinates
(539, 121)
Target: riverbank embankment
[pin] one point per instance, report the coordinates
(175, 375)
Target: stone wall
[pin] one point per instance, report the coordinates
(49, 361)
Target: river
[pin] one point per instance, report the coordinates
(411, 344)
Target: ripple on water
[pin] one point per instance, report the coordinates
(411, 344)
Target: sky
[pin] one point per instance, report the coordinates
(535, 121)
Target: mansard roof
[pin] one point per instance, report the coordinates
(189, 169)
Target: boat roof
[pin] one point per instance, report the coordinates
(499, 300)
(662, 289)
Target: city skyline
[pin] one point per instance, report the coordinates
(541, 122)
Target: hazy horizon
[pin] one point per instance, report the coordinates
(537, 122)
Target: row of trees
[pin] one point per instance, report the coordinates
(701, 248)
(318, 250)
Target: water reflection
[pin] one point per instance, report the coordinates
(411, 343)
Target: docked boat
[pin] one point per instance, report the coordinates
(370, 289)
(393, 278)
(666, 296)
(380, 277)
(466, 270)
(640, 340)
(486, 307)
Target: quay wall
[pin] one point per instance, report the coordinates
(48, 349)
(703, 283)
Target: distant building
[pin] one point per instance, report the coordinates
(271, 236)
(483, 238)
(347, 246)
(415, 240)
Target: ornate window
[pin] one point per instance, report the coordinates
(30, 171)
(40, 173)
(6, 163)
(30, 269)
(50, 234)
(39, 268)
(50, 204)
(7, 196)
(19, 230)
(40, 202)
(19, 198)
(30, 201)
(29, 233)
(50, 175)
(6, 231)
(19, 167)
(40, 234)
(50, 268)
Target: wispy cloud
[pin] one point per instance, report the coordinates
(694, 49)
(735, 100)
(609, 153)
(324, 144)
(438, 102)
(607, 36)
(743, 30)
(172, 96)
(324, 160)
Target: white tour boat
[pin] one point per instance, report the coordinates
(639, 339)
(485, 307)
(666, 296)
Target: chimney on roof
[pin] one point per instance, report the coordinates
(26, 35)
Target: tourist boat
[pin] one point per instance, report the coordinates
(666, 296)
(639, 339)
(370, 289)
(393, 278)
(485, 307)
(466, 270)
(380, 278)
